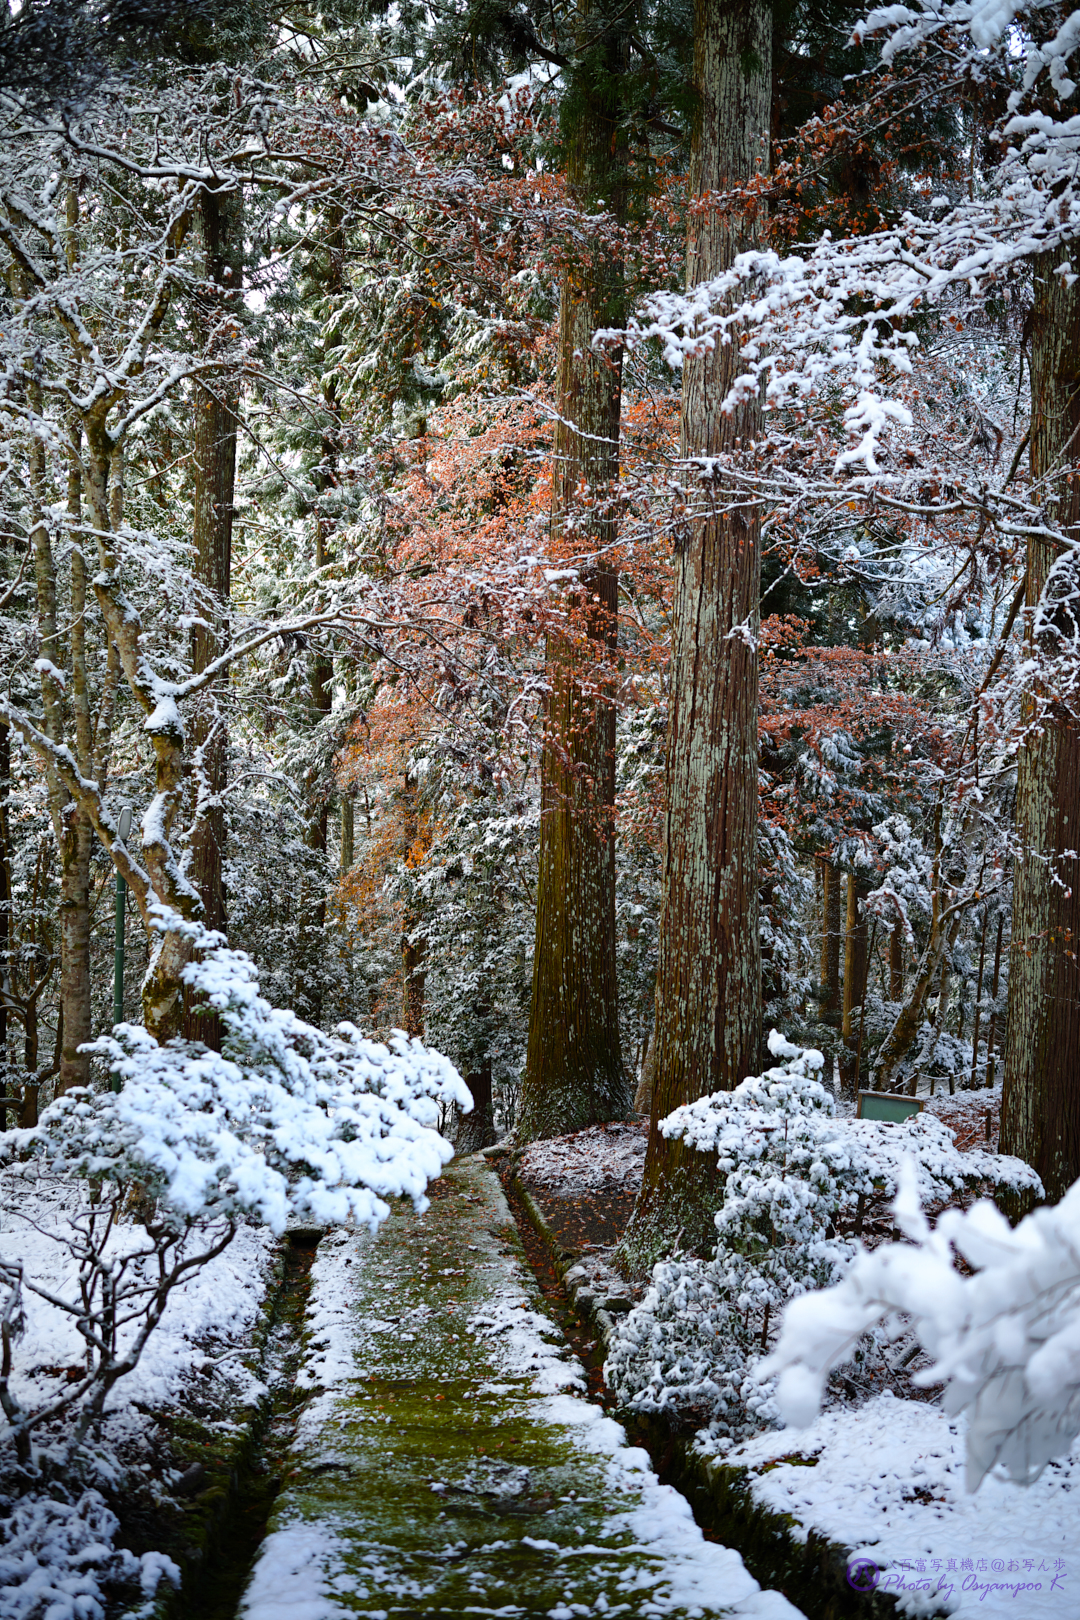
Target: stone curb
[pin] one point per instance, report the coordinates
(777, 1550)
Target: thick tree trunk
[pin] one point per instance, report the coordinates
(855, 971)
(573, 1071)
(1040, 1116)
(708, 991)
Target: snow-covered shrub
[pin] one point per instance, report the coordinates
(58, 1559)
(791, 1177)
(1005, 1342)
(285, 1123)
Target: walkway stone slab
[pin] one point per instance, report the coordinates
(448, 1462)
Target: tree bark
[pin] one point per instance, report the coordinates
(574, 1073)
(70, 824)
(6, 918)
(855, 972)
(477, 1130)
(991, 1038)
(1040, 1114)
(216, 408)
(708, 992)
(831, 933)
(896, 963)
(413, 943)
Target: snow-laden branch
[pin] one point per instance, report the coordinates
(1005, 1342)
(842, 314)
(284, 1123)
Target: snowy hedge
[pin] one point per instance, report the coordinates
(792, 1174)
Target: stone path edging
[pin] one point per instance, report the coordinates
(776, 1549)
(449, 1462)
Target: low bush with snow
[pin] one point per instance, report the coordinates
(285, 1123)
(1005, 1341)
(792, 1174)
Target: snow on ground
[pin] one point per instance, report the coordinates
(214, 1308)
(965, 1114)
(58, 1556)
(592, 1160)
(455, 1465)
(887, 1482)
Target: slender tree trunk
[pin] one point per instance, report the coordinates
(831, 933)
(1040, 1114)
(991, 1038)
(6, 919)
(348, 833)
(216, 407)
(413, 943)
(573, 1070)
(855, 975)
(708, 991)
(978, 1002)
(71, 825)
(896, 963)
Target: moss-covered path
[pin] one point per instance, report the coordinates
(448, 1464)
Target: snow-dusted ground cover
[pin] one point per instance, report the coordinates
(213, 1309)
(594, 1160)
(127, 1243)
(58, 1552)
(886, 1481)
(454, 1465)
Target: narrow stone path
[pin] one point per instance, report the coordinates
(448, 1462)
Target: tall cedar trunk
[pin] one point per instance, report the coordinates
(831, 934)
(413, 943)
(708, 989)
(214, 466)
(327, 477)
(573, 1071)
(855, 971)
(1040, 1115)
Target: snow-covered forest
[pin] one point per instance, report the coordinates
(540, 730)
